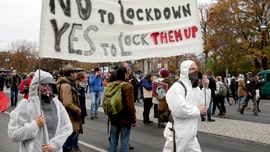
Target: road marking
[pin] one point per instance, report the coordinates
(92, 147)
(81, 142)
(267, 104)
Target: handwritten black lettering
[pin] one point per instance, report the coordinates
(58, 34)
(72, 39)
(89, 41)
(84, 12)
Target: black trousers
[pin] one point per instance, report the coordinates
(146, 109)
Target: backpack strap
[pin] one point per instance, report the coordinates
(172, 121)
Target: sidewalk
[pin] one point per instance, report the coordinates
(256, 132)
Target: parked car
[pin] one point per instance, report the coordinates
(265, 74)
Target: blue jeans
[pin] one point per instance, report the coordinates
(240, 100)
(210, 108)
(14, 93)
(208, 113)
(115, 131)
(70, 142)
(95, 102)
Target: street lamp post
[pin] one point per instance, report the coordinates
(28, 57)
(7, 61)
(264, 32)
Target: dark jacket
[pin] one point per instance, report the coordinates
(148, 85)
(14, 81)
(82, 99)
(2, 82)
(212, 85)
(128, 115)
(251, 86)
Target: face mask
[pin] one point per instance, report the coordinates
(193, 77)
(46, 90)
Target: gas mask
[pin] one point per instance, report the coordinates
(193, 77)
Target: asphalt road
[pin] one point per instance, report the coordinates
(144, 138)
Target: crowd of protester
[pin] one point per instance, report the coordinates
(242, 88)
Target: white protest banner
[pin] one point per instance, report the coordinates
(118, 30)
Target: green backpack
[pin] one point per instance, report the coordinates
(223, 90)
(112, 101)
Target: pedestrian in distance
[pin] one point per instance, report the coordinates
(186, 105)
(212, 86)
(2, 82)
(241, 92)
(220, 98)
(250, 93)
(41, 123)
(259, 83)
(26, 83)
(82, 84)
(13, 82)
(122, 122)
(96, 88)
(206, 95)
(147, 87)
(68, 95)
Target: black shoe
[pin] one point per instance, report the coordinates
(210, 120)
(202, 119)
(255, 114)
(259, 110)
(241, 111)
(130, 147)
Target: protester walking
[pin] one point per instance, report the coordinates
(250, 93)
(241, 93)
(186, 105)
(259, 83)
(220, 98)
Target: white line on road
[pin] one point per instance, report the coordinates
(92, 147)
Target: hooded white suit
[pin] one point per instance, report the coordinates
(23, 128)
(185, 113)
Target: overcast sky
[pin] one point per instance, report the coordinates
(20, 20)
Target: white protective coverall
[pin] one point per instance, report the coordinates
(23, 128)
(185, 113)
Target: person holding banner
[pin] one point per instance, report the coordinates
(186, 105)
(41, 123)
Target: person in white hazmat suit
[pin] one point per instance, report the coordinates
(41, 123)
(186, 108)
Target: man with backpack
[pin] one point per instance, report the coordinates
(185, 101)
(122, 121)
